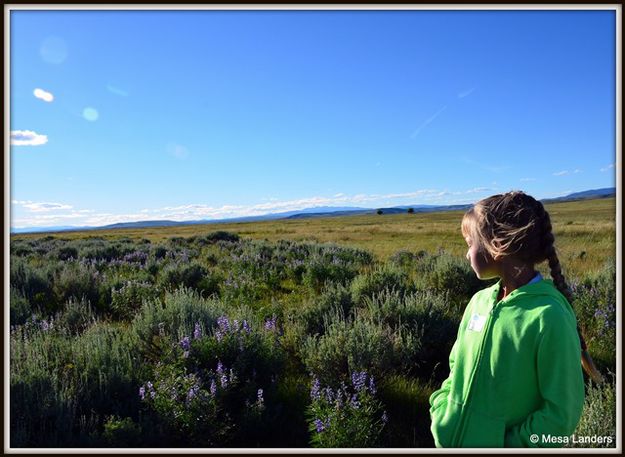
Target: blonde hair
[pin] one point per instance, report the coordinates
(515, 224)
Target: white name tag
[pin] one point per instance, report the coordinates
(477, 322)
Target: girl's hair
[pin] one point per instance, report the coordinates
(515, 224)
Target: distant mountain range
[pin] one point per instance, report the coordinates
(320, 211)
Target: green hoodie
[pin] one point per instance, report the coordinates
(515, 371)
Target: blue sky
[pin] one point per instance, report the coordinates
(133, 115)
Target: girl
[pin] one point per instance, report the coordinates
(515, 376)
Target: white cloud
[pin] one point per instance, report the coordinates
(43, 95)
(607, 168)
(27, 138)
(117, 90)
(466, 93)
(50, 214)
(527, 179)
(427, 122)
(178, 151)
(41, 206)
(577, 171)
(561, 173)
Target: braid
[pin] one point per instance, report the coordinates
(560, 283)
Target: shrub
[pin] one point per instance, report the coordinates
(598, 416)
(595, 305)
(122, 432)
(59, 380)
(214, 388)
(348, 416)
(127, 300)
(427, 317)
(76, 317)
(82, 281)
(361, 344)
(158, 323)
(381, 279)
(20, 309)
(34, 284)
(335, 297)
(192, 276)
(444, 273)
(220, 236)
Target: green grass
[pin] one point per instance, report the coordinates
(585, 232)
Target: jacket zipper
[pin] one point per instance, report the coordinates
(460, 431)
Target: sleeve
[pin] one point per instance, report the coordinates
(561, 385)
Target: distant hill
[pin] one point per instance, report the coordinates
(585, 195)
(320, 211)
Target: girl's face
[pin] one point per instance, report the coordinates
(482, 262)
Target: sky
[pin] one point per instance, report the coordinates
(120, 116)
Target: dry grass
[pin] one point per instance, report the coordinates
(585, 232)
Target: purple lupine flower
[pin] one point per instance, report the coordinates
(151, 389)
(372, 386)
(142, 392)
(259, 396)
(384, 417)
(320, 426)
(213, 388)
(354, 402)
(329, 394)
(224, 324)
(185, 344)
(270, 324)
(315, 393)
(359, 380)
(224, 381)
(197, 332)
(339, 399)
(192, 393)
(220, 367)
(218, 335)
(246, 327)
(235, 325)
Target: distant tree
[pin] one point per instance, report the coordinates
(380, 211)
(411, 210)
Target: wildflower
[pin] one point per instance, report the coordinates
(213, 388)
(246, 327)
(372, 386)
(359, 380)
(384, 417)
(354, 402)
(45, 326)
(259, 396)
(197, 332)
(220, 367)
(142, 392)
(224, 381)
(192, 393)
(270, 324)
(223, 323)
(151, 389)
(320, 426)
(315, 393)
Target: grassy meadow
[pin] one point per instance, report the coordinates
(323, 332)
(577, 227)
